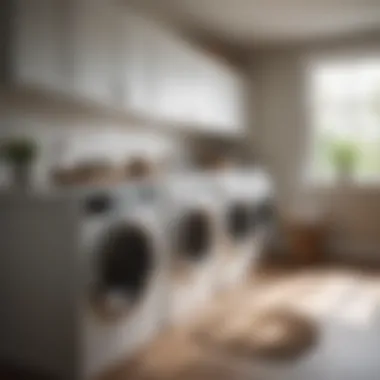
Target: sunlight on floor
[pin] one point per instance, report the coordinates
(346, 298)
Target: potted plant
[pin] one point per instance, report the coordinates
(19, 153)
(344, 156)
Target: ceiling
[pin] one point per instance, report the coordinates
(266, 22)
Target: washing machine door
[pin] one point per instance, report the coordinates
(194, 234)
(124, 262)
(238, 221)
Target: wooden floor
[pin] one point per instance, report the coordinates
(344, 303)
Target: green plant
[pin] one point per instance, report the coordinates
(344, 155)
(19, 151)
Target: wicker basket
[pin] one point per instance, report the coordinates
(88, 173)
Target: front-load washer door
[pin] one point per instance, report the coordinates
(195, 235)
(193, 270)
(125, 262)
(238, 221)
(265, 214)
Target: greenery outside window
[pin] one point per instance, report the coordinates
(345, 108)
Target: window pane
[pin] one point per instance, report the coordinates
(346, 119)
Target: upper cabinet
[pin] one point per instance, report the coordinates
(96, 29)
(107, 54)
(217, 96)
(229, 98)
(194, 89)
(34, 43)
(135, 69)
(170, 74)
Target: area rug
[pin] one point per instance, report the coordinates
(277, 333)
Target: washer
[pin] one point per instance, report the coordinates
(264, 210)
(239, 239)
(93, 286)
(195, 235)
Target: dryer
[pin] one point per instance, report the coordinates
(263, 209)
(239, 239)
(84, 278)
(195, 234)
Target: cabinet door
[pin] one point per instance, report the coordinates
(170, 77)
(232, 98)
(236, 103)
(96, 24)
(165, 76)
(191, 86)
(202, 101)
(223, 108)
(211, 109)
(138, 67)
(133, 63)
(224, 99)
(37, 41)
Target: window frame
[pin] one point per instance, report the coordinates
(309, 176)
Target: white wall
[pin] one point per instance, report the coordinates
(282, 138)
(279, 123)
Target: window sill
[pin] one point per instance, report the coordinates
(346, 186)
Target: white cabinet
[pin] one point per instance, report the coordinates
(237, 99)
(171, 96)
(34, 42)
(113, 62)
(103, 52)
(133, 73)
(205, 90)
(191, 88)
(219, 97)
(165, 73)
(96, 28)
(136, 71)
(224, 114)
(211, 105)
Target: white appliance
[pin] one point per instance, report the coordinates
(83, 278)
(246, 195)
(264, 212)
(195, 233)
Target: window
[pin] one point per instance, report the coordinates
(346, 120)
